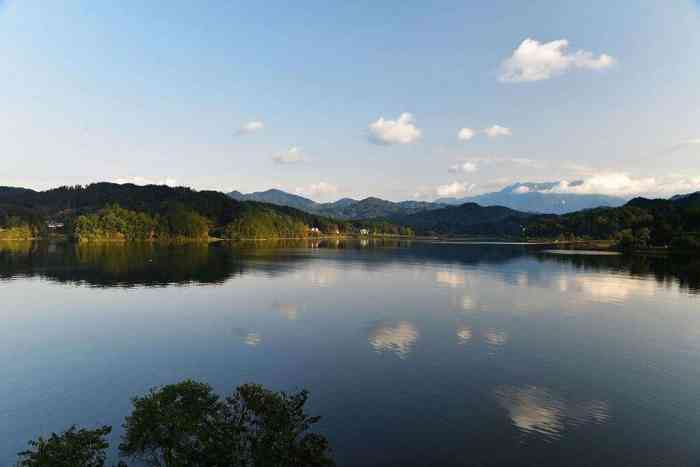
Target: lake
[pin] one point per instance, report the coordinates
(414, 353)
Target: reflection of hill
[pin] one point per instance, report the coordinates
(117, 265)
(664, 269)
(152, 265)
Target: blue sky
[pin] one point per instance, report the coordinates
(309, 96)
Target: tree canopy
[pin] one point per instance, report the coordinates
(188, 425)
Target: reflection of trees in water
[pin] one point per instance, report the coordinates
(665, 269)
(120, 265)
(153, 264)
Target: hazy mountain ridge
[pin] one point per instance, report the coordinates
(539, 198)
(533, 197)
(344, 209)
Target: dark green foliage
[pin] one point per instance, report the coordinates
(641, 223)
(116, 223)
(370, 208)
(151, 199)
(264, 223)
(187, 425)
(467, 219)
(147, 212)
(17, 222)
(272, 429)
(687, 243)
(177, 221)
(72, 448)
(173, 426)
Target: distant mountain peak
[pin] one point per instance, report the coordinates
(540, 197)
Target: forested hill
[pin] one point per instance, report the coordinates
(467, 219)
(126, 211)
(640, 223)
(152, 199)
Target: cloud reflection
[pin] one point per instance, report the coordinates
(464, 334)
(537, 410)
(288, 310)
(495, 337)
(614, 289)
(322, 277)
(450, 278)
(248, 337)
(398, 338)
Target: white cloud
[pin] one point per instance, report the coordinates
(453, 189)
(293, 155)
(318, 189)
(401, 131)
(250, 127)
(146, 181)
(465, 134)
(621, 184)
(535, 61)
(463, 167)
(608, 183)
(497, 130)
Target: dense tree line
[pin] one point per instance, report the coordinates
(467, 219)
(115, 223)
(640, 224)
(188, 425)
(149, 212)
(151, 199)
(17, 222)
(265, 223)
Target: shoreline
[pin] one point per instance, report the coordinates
(574, 245)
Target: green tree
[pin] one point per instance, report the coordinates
(72, 448)
(172, 426)
(273, 429)
(187, 425)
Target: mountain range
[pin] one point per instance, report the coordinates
(539, 198)
(638, 223)
(344, 209)
(526, 197)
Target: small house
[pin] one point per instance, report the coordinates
(364, 232)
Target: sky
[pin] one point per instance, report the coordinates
(401, 100)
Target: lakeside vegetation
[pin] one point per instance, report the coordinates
(638, 225)
(116, 223)
(112, 212)
(188, 425)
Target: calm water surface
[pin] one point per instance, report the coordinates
(414, 354)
